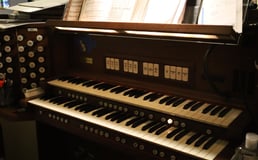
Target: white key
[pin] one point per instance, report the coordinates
(182, 145)
(216, 149)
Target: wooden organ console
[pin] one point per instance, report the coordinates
(142, 96)
(151, 96)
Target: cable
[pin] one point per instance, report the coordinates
(207, 76)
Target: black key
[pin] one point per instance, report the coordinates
(134, 93)
(180, 135)
(148, 96)
(139, 93)
(208, 108)
(129, 92)
(121, 89)
(165, 99)
(189, 104)
(78, 107)
(124, 117)
(53, 99)
(81, 106)
(174, 132)
(224, 112)
(118, 89)
(155, 97)
(60, 100)
(147, 126)
(72, 80)
(104, 86)
(113, 115)
(210, 142)
(178, 102)
(139, 122)
(90, 83)
(162, 129)
(76, 80)
(72, 103)
(80, 80)
(65, 78)
(108, 86)
(99, 111)
(193, 138)
(155, 127)
(104, 112)
(132, 121)
(99, 86)
(216, 110)
(172, 100)
(87, 108)
(119, 116)
(152, 97)
(196, 106)
(200, 141)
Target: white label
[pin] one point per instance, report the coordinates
(145, 68)
(179, 73)
(156, 70)
(135, 67)
(185, 74)
(126, 66)
(173, 72)
(167, 71)
(117, 64)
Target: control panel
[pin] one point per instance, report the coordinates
(8, 55)
(23, 63)
(173, 72)
(32, 53)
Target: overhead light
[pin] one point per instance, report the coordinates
(166, 35)
(170, 34)
(87, 29)
(146, 33)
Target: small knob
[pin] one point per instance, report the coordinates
(20, 37)
(21, 49)
(7, 49)
(7, 38)
(39, 37)
(30, 43)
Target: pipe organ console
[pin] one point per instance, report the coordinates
(152, 97)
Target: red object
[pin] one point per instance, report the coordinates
(1, 83)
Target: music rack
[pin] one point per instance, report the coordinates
(170, 32)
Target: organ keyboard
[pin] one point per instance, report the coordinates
(72, 97)
(176, 138)
(200, 111)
